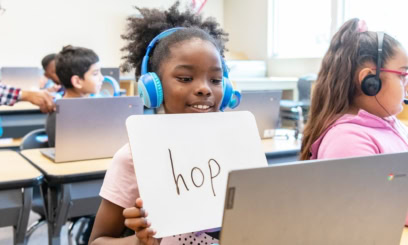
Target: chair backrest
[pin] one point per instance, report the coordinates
(34, 139)
(304, 87)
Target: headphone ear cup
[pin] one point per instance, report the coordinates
(371, 85)
(150, 90)
(227, 93)
(230, 98)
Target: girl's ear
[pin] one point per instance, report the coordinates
(363, 73)
(76, 82)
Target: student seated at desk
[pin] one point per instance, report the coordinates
(188, 63)
(360, 88)
(79, 72)
(50, 80)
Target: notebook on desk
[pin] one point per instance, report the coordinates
(264, 104)
(354, 201)
(91, 128)
(27, 78)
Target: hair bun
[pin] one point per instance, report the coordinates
(362, 26)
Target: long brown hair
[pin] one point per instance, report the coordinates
(336, 85)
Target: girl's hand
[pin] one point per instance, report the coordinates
(135, 219)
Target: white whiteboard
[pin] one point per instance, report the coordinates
(198, 148)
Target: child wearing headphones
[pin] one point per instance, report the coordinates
(187, 75)
(360, 88)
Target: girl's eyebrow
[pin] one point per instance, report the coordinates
(404, 67)
(188, 67)
(215, 68)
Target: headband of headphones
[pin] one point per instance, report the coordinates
(145, 61)
(380, 36)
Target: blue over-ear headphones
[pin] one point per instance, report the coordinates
(150, 88)
(113, 86)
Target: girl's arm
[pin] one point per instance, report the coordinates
(110, 223)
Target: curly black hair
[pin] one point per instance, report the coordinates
(142, 29)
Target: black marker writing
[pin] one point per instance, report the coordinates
(192, 177)
(212, 177)
(212, 164)
(178, 176)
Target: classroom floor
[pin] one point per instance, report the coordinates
(40, 236)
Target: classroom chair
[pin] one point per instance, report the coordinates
(293, 111)
(34, 139)
(38, 139)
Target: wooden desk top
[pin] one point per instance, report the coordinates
(67, 171)
(17, 171)
(20, 106)
(10, 142)
(281, 144)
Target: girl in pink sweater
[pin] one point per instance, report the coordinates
(360, 88)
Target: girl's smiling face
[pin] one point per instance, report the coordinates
(191, 77)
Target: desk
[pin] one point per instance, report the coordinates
(281, 149)
(287, 84)
(20, 119)
(71, 189)
(10, 143)
(16, 187)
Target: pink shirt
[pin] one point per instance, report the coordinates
(120, 187)
(361, 135)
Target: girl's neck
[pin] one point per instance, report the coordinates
(370, 105)
(73, 93)
(353, 110)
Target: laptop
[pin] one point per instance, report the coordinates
(264, 104)
(91, 128)
(112, 72)
(27, 78)
(353, 201)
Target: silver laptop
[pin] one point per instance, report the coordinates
(27, 78)
(91, 128)
(264, 104)
(354, 201)
(112, 72)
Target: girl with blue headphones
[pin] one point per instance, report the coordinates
(179, 65)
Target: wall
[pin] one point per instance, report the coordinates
(249, 25)
(246, 23)
(279, 67)
(30, 29)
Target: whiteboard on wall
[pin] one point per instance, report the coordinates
(182, 163)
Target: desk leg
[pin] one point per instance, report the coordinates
(59, 202)
(20, 230)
